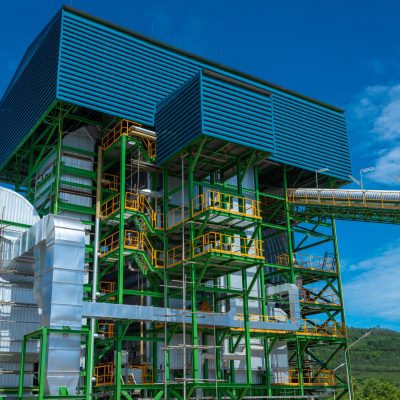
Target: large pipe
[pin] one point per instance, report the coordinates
(343, 194)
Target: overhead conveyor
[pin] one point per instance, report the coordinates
(356, 205)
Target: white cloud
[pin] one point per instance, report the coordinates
(377, 115)
(373, 291)
(387, 166)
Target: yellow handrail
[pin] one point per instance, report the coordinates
(216, 242)
(133, 240)
(308, 262)
(104, 374)
(111, 182)
(233, 204)
(127, 128)
(133, 202)
(321, 328)
(311, 377)
(315, 296)
(227, 244)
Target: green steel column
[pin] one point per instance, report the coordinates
(58, 167)
(167, 375)
(89, 366)
(42, 363)
(288, 227)
(247, 327)
(342, 310)
(299, 357)
(22, 370)
(120, 290)
(231, 362)
(195, 338)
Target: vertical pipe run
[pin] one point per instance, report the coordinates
(89, 367)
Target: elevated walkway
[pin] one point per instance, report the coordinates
(381, 206)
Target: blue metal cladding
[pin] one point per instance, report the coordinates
(216, 106)
(237, 113)
(111, 70)
(119, 73)
(31, 91)
(311, 137)
(179, 119)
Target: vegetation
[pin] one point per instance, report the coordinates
(376, 389)
(377, 356)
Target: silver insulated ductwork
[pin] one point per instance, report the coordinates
(56, 246)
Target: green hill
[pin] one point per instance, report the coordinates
(376, 356)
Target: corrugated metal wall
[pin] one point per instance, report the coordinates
(237, 113)
(120, 74)
(31, 91)
(310, 136)
(217, 106)
(117, 72)
(179, 119)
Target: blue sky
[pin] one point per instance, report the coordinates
(346, 53)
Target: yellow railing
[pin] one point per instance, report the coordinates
(345, 198)
(319, 263)
(262, 318)
(319, 377)
(316, 296)
(104, 374)
(133, 202)
(107, 287)
(174, 255)
(133, 240)
(127, 128)
(111, 182)
(111, 206)
(113, 134)
(233, 204)
(106, 328)
(311, 377)
(321, 328)
(227, 244)
(176, 216)
(140, 203)
(109, 244)
(216, 242)
(146, 373)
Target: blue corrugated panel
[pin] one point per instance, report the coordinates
(31, 91)
(179, 119)
(311, 137)
(113, 72)
(118, 73)
(216, 106)
(237, 113)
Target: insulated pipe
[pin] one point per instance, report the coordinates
(352, 194)
(95, 268)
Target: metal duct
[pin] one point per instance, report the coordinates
(171, 315)
(58, 245)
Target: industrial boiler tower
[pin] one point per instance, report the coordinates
(168, 230)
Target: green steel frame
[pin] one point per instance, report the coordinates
(313, 348)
